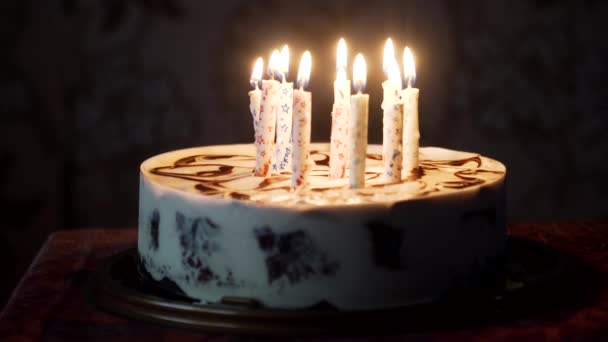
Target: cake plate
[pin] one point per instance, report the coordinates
(536, 278)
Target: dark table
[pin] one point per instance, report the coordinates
(50, 303)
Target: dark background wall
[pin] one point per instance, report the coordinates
(88, 89)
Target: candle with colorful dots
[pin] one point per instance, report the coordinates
(265, 134)
(359, 104)
(339, 117)
(411, 133)
(302, 105)
(392, 117)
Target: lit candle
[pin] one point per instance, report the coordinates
(284, 117)
(358, 126)
(340, 116)
(264, 140)
(301, 124)
(411, 133)
(392, 117)
(256, 94)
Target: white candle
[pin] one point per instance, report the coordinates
(359, 104)
(301, 124)
(283, 147)
(411, 133)
(265, 133)
(340, 117)
(255, 95)
(392, 117)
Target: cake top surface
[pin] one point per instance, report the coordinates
(226, 171)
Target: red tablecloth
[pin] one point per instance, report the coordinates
(49, 303)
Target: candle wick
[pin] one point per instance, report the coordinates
(301, 88)
(283, 76)
(409, 82)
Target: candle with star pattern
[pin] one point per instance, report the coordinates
(283, 146)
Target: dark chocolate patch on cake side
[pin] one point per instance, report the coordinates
(165, 287)
(386, 244)
(154, 224)
(486, 277)
(205, 274)
(180, 219)
(266, 238)
(228, 280)
(196, 244)
(293, 255)
(211, 224)
(487, 216)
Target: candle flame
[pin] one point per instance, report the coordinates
(389, 55)
(256, 75)
(409, 68)
(274, 64)
(341, 60)
(304, 71)
(359, 73)
(394, 76)
(284, 69)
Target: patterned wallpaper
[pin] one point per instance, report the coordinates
(90, 88)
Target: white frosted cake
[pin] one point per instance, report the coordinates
(216, 231)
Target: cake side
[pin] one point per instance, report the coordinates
(361, 254)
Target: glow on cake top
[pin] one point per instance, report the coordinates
(227, 171)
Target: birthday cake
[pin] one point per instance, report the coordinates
(216, 231)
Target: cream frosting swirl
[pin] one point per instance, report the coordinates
(226, 171)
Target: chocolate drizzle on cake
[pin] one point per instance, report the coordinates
(239, 196)
(321, 162)
(222, 175)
